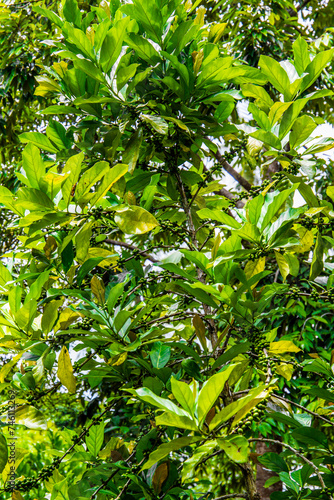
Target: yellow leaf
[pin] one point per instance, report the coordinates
(282, 346)
(254, 267)
(66, 318)
(286, 370)
(306, 240)
(60, 68)
(65, 371)
(283, 265)
(200, 330)
(135, 220)
(98, 289)
(19, 455)
(119, 359)
(50, 246)
(90, 33)
(159, 477)
(8, 366)
(16, 495)
(197, 60)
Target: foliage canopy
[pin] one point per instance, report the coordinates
(156, 325)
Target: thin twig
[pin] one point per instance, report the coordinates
(304, 409)
(131, 247)
(232, 495)
(306, 460)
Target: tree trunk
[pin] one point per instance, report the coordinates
(262, 475)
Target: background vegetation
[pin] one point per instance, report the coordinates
(166, 333)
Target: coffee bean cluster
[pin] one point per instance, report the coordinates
(258, 344)
(320, 223)
(255, 415)
(294, 292)
(96, 213)
(209, 175)
(86, 323)
(261, 252)
(31, 483)
(314, 295)
(180, 232)
(330, 296)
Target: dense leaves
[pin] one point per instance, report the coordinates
(157, 324)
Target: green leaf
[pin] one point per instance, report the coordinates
(315, 67)
(231, 353)
(224, 110)
(112, 44)
(149, 16)
(183, 395)
(82, 241)
(49, 15)
(88, 265)
(143, 48)
(125, 74)
(131, 152)
(160, 354)
(89, 178)
(277, 110)
(39, 140)
(210, 391)
(88, 68)
(5, 275)
(235, 447)
(254, 207)
(3, 452)
(317, 264)
(310, 436)
(219, 216)
(260, 117)
(135, 220)
(113, 175)
(321, 393)
(267, 138)
(72, 12)
(275, 73)
(56, 132)
(274, 462)
(95, 438)
(33, 165)
(100, 34)
(262, 97)
(301, 130)
(166, 448)
(230, 410)
(156, 122)
(73, 167)
(301, 55)
(165, 404)
(173, 420)
(290, 116)
(80, 40)
(272, 204)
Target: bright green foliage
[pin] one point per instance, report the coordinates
(174, 322)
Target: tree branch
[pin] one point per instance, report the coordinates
(230, 196)
(304, 409)
(306, 460)
(131, 247)
(238, 177)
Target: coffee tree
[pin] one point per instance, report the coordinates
(163, 335)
